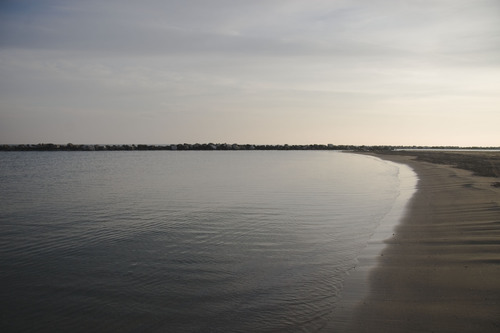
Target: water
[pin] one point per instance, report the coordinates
(258, 241)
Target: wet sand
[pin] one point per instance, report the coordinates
(440, 272)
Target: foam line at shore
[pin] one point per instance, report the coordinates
(441, 270)
(356, 286)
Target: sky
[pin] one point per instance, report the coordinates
(360, 72)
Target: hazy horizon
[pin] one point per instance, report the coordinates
(360, 72)
(229, 145)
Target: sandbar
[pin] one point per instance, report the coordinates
(440, 271)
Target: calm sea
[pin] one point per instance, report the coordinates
(237, 241)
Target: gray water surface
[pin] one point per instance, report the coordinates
(162, 241)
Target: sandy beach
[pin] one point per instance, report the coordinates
(440, 272)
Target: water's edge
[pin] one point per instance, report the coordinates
(356, 285)
(230, 242)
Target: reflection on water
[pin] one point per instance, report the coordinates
(183, 241)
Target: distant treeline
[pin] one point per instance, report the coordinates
(213, 146)
(181, 146)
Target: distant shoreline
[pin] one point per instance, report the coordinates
(481, 162)
(224, 146)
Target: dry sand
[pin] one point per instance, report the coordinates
(440, 272)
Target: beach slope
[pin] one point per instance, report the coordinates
(440, 272)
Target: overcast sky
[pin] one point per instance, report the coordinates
(423, 72)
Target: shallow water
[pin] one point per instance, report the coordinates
(232, 241)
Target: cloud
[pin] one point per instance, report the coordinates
(374, 32)
(192, 60)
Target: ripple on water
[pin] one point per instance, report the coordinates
(228, 241)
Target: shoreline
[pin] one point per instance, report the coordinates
(441, 270)
(356, 285)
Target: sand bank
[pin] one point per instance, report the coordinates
(440, 272)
